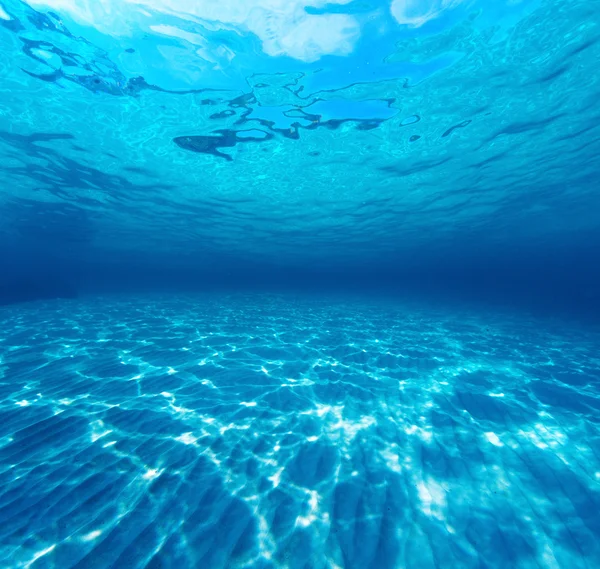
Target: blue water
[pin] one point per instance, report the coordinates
(299, 284)
(270, 431)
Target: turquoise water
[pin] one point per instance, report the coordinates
(263, 431)
(299, 285)
(293, 135)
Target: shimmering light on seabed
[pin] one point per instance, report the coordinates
(268, 432)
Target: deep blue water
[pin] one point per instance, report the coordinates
(292, 284)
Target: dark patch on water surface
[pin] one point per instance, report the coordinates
(212, 144)
(457, 126)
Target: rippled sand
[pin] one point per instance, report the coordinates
(267, 432)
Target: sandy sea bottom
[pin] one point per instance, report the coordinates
(294, 432)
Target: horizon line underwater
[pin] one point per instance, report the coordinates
(299, 284)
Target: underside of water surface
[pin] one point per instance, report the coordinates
(299, 284)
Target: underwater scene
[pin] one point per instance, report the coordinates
(300, 284)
